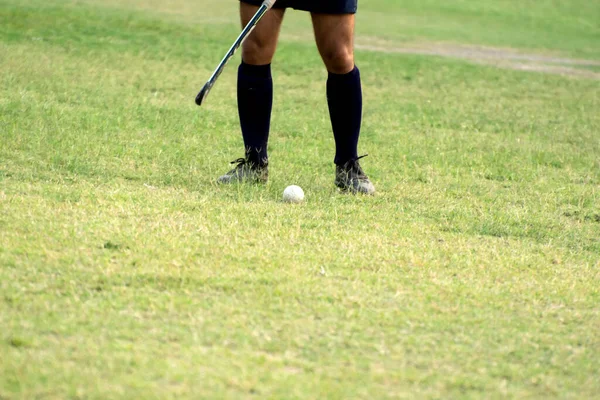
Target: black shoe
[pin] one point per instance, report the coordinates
(246, 172)
(352, 178)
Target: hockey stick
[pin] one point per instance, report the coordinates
(266, 5)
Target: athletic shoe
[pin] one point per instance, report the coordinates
(351, 177)
(246, 172)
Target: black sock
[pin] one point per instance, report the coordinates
(255, 100)
(344, 97)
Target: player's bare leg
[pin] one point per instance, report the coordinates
(255, 95)
(334, 34)
(259, 48)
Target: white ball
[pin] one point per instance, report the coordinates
(293, 194)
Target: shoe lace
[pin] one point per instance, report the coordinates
(353, 167)
(239, 161)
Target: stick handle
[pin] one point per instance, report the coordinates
(269, 3)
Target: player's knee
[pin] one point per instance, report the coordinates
(339, 60)
(257, 52)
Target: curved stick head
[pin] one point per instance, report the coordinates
(203, 93)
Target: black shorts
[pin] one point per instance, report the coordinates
(314, 6)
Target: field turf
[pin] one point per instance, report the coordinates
(126, 272)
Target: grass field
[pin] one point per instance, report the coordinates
(126, 272)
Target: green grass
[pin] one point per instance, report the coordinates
(125, 272)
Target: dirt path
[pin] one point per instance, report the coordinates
(499, 57)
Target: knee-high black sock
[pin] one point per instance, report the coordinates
(255, 100)
(344, 97)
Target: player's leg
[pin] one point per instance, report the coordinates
(334, 34)
(259, 48)
(255, 93)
